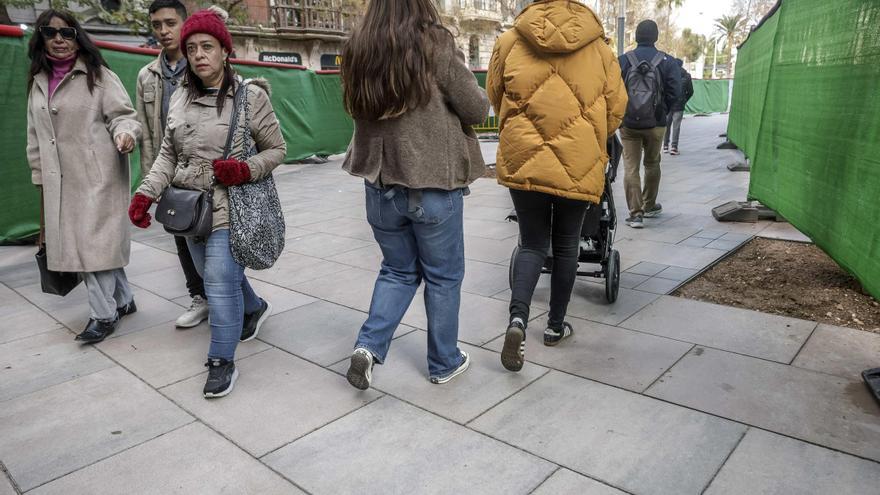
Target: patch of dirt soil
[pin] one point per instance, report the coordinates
(787, 278)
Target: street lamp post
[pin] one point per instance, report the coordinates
(621, 26)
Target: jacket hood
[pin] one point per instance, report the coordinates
(262, 83)
(559, 26)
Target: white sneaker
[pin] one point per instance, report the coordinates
(465, 362)
(197, 313)
(360, 373)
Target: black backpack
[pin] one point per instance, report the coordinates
(644, 88)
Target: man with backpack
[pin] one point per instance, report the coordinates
(653, 84)
(673, 120)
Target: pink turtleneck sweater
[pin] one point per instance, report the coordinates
(60, 68)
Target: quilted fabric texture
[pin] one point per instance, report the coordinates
(556, 87)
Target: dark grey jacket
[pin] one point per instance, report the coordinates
(431, 147)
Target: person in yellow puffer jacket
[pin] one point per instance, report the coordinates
(556, 87)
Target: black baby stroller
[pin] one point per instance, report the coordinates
(597, 232)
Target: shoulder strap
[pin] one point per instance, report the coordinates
(655, 62)
(633, 60)
(233, 119)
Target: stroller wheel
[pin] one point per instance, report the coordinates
(612, 276)
(512, 261)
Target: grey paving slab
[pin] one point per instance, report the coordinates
(491, 213)
(168, 283)
(588, 301)
(292, 269)
(723, 245)
(765, 463)
(344, 227)
(146, 259)
(607, 354)
(390, 447)
(163, 242)
(73, 309)
(490, 229)
(321, 332)
(6, 487)
(621, 438)
(631, 280)
(192, 459)
(485, 279)
(18, 267)
(696, 242)
(647, 269)
(840, 351)
(661, 253)
(815, 407)
(352, 287)
(300, 218)
(489, 250)
(783, 231)
(60, 429)
(657, 285)
(735, 237)
(481, 318)
(164, 354)
(762, 335)
(277, 399)
(22, 319)
(282, 299)
(46, 359)
(485, 383)
(677, 273)
(368, 257)
(565, 481)
(321, 245)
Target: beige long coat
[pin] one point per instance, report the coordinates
(72, 154)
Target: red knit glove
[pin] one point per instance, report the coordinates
(138, 210)
(231, 172)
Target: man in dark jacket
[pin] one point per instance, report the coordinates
(646, 134)
(673, 121)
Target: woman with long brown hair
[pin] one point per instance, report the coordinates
(81, 126)
(413, 101)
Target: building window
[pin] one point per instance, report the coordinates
(474, 52)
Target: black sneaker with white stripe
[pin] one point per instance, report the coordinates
(221, 377)
(553, 336)
(514, 351)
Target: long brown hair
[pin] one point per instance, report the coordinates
(88, 52)
(387, 60)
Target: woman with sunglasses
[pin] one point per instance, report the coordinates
(81, 126)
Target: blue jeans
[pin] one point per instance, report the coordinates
(230, 295)
(417, 241)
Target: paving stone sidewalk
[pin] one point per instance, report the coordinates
(652, 395)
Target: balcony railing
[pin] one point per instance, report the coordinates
(313, 16)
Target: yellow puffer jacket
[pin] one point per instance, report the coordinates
(556, 88)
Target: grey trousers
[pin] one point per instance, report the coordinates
(108, 290)
(673, 126)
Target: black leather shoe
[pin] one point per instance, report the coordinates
(96, 331)
(126, 310)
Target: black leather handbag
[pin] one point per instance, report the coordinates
(52, 282)
(186, 212)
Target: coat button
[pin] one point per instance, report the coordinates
(54, 111)
(52, 141)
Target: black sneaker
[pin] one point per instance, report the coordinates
(255, 320)
(514, 351)
(654, 211)
(221, 377)
(635, 221)
(126, 310)
(96, 331)
(553, 336)
(360, 372)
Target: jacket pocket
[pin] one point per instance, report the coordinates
(93, 168)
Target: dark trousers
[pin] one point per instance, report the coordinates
(194, 283)
(544, 218)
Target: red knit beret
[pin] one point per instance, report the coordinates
(208, 21)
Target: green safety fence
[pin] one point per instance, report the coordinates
(710, 96)
(308, 105)
(805, 111)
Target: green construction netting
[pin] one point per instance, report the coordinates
(806, 111)
(710, 96)
(307, 104)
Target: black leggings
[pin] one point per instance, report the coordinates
(194, 283)
(543, 217)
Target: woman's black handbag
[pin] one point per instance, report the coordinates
(186, 212)
(52, 282)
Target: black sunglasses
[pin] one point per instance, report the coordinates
(50, 32)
